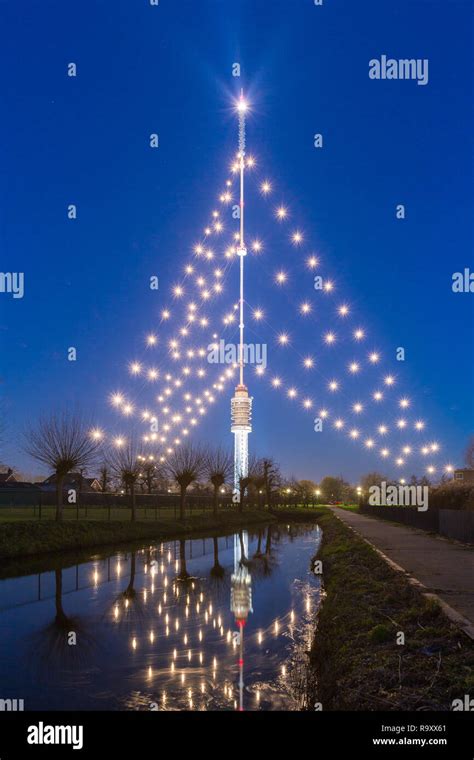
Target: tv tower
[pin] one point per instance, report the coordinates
(241, 403)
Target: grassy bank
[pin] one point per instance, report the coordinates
(27, 538)
(358, 663)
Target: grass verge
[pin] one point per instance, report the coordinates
(366, 606)
(27, 538)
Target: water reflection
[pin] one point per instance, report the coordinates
(223, 623)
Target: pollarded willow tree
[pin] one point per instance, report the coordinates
(126, 461)
(63, 442)
(185, 466)
(218, 468)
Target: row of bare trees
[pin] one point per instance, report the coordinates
(63, 443)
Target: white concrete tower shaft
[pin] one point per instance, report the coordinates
(241, 403)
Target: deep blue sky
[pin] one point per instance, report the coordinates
(168, 70)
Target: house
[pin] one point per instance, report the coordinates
(7, 477)
(465, 475)
(73, 480)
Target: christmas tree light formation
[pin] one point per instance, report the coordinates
(188, 382)
(241, 403)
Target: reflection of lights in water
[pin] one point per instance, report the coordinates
(214, 663)
(145, 568)
(134, 643)
(144, 594)
(219, 621)
(201, 596)
(152, 637)
(164, 697)
(176, 566)
(183, 677)
(186, 612)
(175, 654)
(200, 635)
(96, 577)
(198, 607)
(162, 567)
(165, 597)
(118, 569)
(210, 609)
(189, 655)
(159, 609)
(167, 618)
(152, 588)
(200, 658)
(172, 667)
(150, 672)
(187, 599)
(165, 581)
(206, 616)
(177, 590)
(176, 625)
(214, 623)
(169, 556)
(185, 638)
(167, 630)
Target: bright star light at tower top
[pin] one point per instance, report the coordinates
(339, 379)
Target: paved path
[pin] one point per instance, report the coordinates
(445, 568)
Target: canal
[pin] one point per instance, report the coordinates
(218, 623)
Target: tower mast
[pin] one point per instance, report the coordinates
(241, 403)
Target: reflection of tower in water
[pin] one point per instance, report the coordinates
(241, 599)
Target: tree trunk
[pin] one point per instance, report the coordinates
(216, 497)
(61, 619)
(268, 544)
(182, 502)
(133, 500)
(59, 497)
(183, 570)
(269, 498)
(258, 551)
(241, 502)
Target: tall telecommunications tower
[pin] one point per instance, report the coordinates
(241, 403)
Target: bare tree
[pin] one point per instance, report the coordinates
(104, 477)
(148, 474)
(272, 478)
(218, 466)
(125, 463)
(469, 454)
(63, 443)
(185, 465)
(246, 480)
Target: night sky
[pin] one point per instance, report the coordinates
(85, 140)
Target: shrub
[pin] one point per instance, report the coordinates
(452, 496)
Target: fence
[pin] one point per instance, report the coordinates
(39, 504)
(35, 503)
(452, 523)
